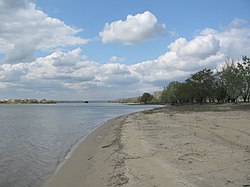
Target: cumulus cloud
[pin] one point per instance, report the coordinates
(200, 47)
(234, 39)
(24, 29)
(206, 50)
(71, 72)
(13, 3)
(60, 66)
(12, 72)
(116, 59)
(112, 68)
(135, 29)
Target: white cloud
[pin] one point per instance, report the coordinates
(61, 66)
(72, 73)
(135, 29)
(116, 59)
(13, 3)
(200, 47)
(67, 59)
(12, 72)
(207, 50)
(234, 39)
(112, 68)
(24, 29)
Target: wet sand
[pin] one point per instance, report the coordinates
(174, 147)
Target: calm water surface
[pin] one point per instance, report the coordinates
(35, 139)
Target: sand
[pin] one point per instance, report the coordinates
(177, 147)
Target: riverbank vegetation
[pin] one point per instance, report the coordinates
(27, 101)
(229, 84)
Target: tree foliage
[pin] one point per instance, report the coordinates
(227, 85)
(146, 98)
(202, 83)
(232, 81)
(244, 78)
(169, 93)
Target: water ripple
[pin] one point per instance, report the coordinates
(35, 139)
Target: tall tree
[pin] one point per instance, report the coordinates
(244, 77)
(220, 91)
(146, 98)
(203, 84)
(169, 93)
(230, 75)
(185, 92)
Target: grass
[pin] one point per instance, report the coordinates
(202, 108)
(152, 111)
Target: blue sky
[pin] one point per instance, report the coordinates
(185, 17)
(109, 49)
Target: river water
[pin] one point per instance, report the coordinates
(35, 139)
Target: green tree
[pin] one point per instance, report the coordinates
(220, 91)
(146, 98)
(185, 92)
(169, 94)
(231, 78)
(244, 77)
(164, 95)
(225, 85)
(203, 85)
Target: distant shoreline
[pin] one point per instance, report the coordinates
(27, 101)
(44, 101)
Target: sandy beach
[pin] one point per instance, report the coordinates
(174, 147)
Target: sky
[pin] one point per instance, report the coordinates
(92, 49)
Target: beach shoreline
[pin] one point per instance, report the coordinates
(91, 144)
(164, 147)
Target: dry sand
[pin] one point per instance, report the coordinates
(177, 147)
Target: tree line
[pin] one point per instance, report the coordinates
(229, 84)
(27, 101)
